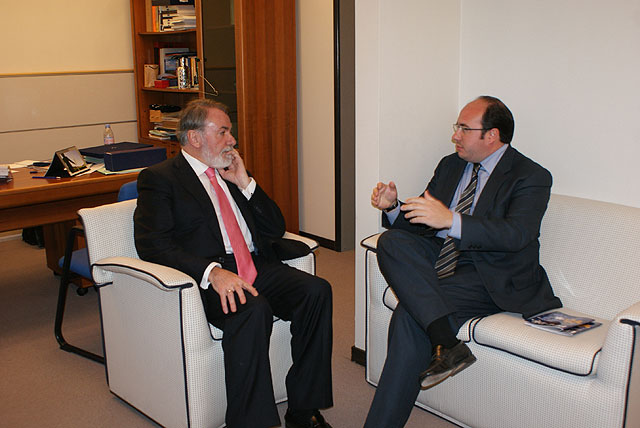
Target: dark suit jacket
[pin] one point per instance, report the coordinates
(501, 237)
(175, 223)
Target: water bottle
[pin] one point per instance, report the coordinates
(107, 135)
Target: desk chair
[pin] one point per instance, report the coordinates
(76, 264)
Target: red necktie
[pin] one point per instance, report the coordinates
(244, 262)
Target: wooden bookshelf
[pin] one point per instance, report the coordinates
(247, 51)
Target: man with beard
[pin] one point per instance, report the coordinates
(201, 213)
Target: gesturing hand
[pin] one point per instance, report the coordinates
(428, 210)
(384, 196)
(227, 284)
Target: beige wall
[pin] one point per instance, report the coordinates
(316, 132)
(42, 36)
(67, 71)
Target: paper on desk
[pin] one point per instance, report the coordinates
(92, 168)
(105, 171)
(23, 164)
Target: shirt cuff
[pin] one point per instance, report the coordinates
(393, 214)
(250, 189)
(456, 227)
(204, 282)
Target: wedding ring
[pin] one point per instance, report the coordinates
(230, 291)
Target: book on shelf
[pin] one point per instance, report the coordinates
(194, 71)
(173, 17)
(163, 133)
(171, 2)
(167, 61)
(170, 64)
(561, 323)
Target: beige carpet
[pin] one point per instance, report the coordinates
(42, 386)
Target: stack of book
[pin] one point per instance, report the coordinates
(173, 17)
(165, 129)
(169, 59)
(5, 174)
(561, 323)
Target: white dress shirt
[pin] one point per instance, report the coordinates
(199, 168)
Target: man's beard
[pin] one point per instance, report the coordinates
(218, 162)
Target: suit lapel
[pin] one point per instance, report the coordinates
(499, 175)
(454, 174)
(193, 186)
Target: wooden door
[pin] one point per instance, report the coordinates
(267, 98)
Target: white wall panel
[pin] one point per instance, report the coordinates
(570, 73)
(568, 70)
(407, 55)
(316, 130)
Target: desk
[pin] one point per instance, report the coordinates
(53, 203)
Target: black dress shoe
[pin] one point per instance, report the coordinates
(446, 363)
(316, 421)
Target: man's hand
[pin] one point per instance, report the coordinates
(384, 195)
(428, 210)
(227, 284)
(236, 172)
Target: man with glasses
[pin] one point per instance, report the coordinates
(467, 247)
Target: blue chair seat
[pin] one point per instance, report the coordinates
(79, 263)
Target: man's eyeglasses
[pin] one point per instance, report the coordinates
(464, 129)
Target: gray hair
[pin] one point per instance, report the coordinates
(193, 117)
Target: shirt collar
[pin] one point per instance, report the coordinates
(489, 163)
(198, 167)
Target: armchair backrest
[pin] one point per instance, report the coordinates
(590, 251)
(109, 233)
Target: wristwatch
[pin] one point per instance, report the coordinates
(392, 207)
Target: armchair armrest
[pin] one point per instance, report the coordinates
(313, 245)
(371, 242)
(163, 277)
(631, 315)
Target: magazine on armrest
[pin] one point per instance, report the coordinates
(561, 323)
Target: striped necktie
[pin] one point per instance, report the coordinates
(244, 262)
(449, 254)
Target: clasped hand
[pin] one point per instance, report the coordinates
(227, 284)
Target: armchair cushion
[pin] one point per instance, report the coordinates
(576, 355)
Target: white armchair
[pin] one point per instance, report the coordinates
(528, 378)
(161, 355)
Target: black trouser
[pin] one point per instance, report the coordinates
(291, 295)
(407, 262)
